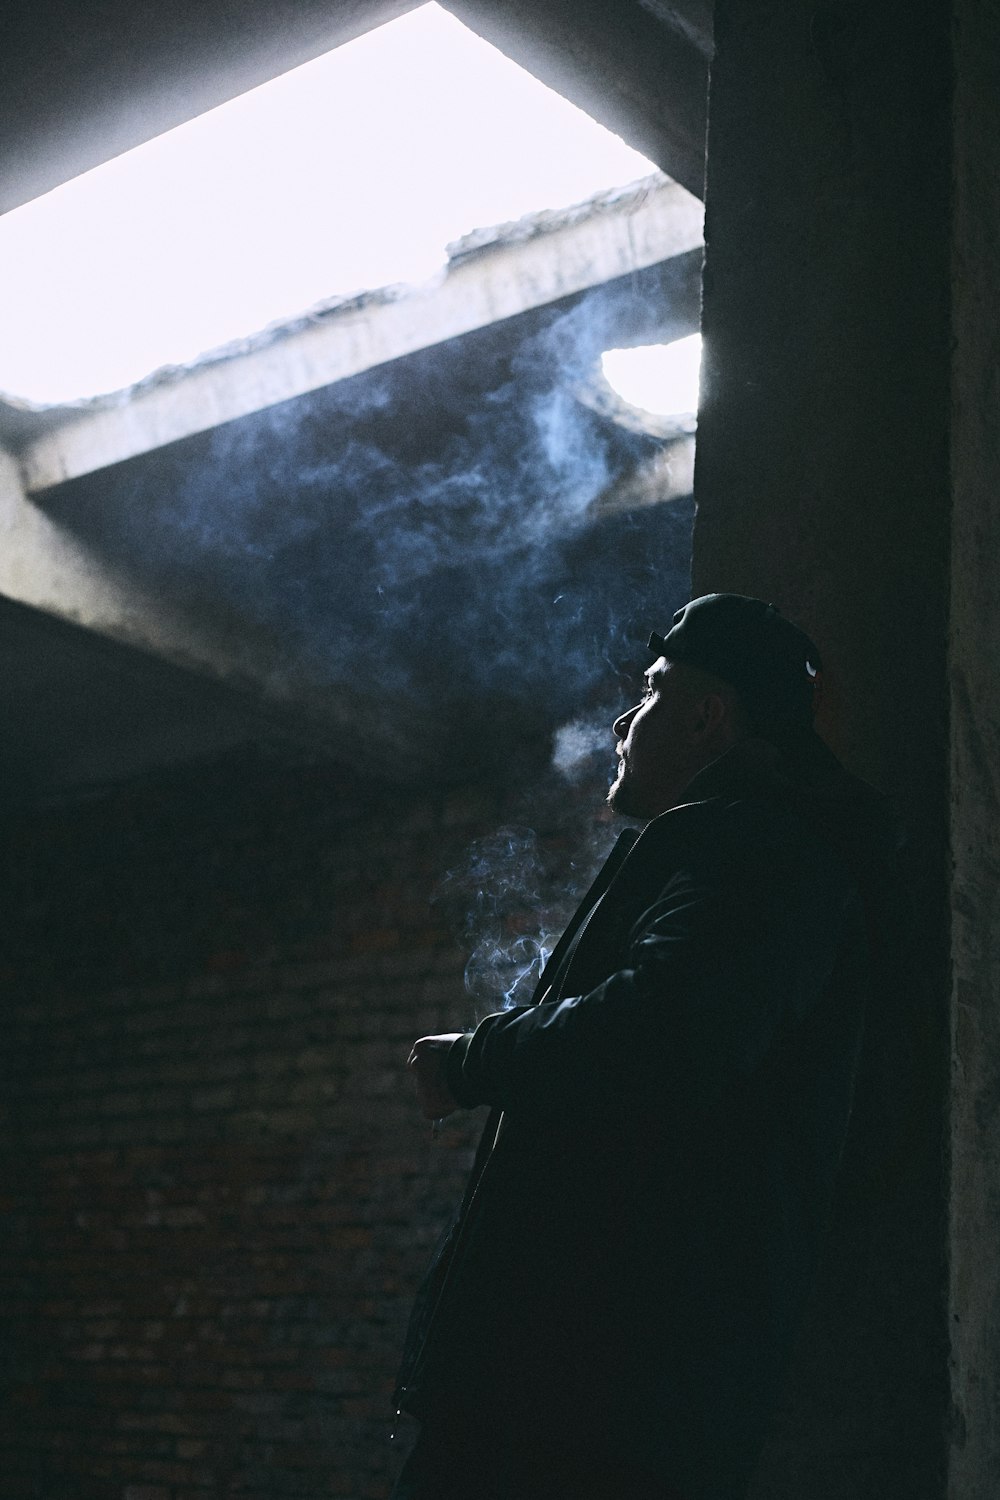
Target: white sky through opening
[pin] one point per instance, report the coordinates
(658, 378)
(349, 173)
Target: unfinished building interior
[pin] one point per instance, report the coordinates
(287, 705)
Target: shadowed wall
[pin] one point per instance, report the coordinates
(823, 482)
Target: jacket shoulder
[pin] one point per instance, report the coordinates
(740, 839)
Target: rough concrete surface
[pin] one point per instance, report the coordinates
(821, 481)
(975, 769)
(520, 266)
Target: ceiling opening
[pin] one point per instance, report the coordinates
(401, 491)
(661, 379)
(348, 173)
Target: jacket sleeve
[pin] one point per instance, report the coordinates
(720, 961)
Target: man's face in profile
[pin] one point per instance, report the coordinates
(655, 745)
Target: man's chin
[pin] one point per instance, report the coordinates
(622, 799)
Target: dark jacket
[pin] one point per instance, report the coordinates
(641, 1228)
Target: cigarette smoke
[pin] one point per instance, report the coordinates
(427, 535)
(431, 533)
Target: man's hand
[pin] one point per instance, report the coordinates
(426, 1063)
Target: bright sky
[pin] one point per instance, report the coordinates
(661, 378)
(349, 173)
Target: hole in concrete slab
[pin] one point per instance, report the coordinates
(351, 172)
(655, 385)
(440, 535)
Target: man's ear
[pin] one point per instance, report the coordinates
(710, 713)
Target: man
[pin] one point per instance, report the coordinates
(612, 1312)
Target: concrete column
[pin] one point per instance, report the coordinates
(822, 482)
(975, 767)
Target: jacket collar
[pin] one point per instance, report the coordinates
(751, 768)
(809, 779)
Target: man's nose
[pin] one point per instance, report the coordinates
(620, 727)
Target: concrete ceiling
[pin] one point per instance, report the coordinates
(406, 549)
(81, 712)
(493, 275)
(80, 83)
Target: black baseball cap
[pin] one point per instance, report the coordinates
(772, 664)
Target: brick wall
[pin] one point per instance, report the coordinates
(217, 1193)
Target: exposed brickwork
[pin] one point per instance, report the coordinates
(217, 1190)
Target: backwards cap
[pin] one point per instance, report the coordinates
(772, 664)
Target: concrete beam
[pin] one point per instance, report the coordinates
(527, 265)
(48, 568)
